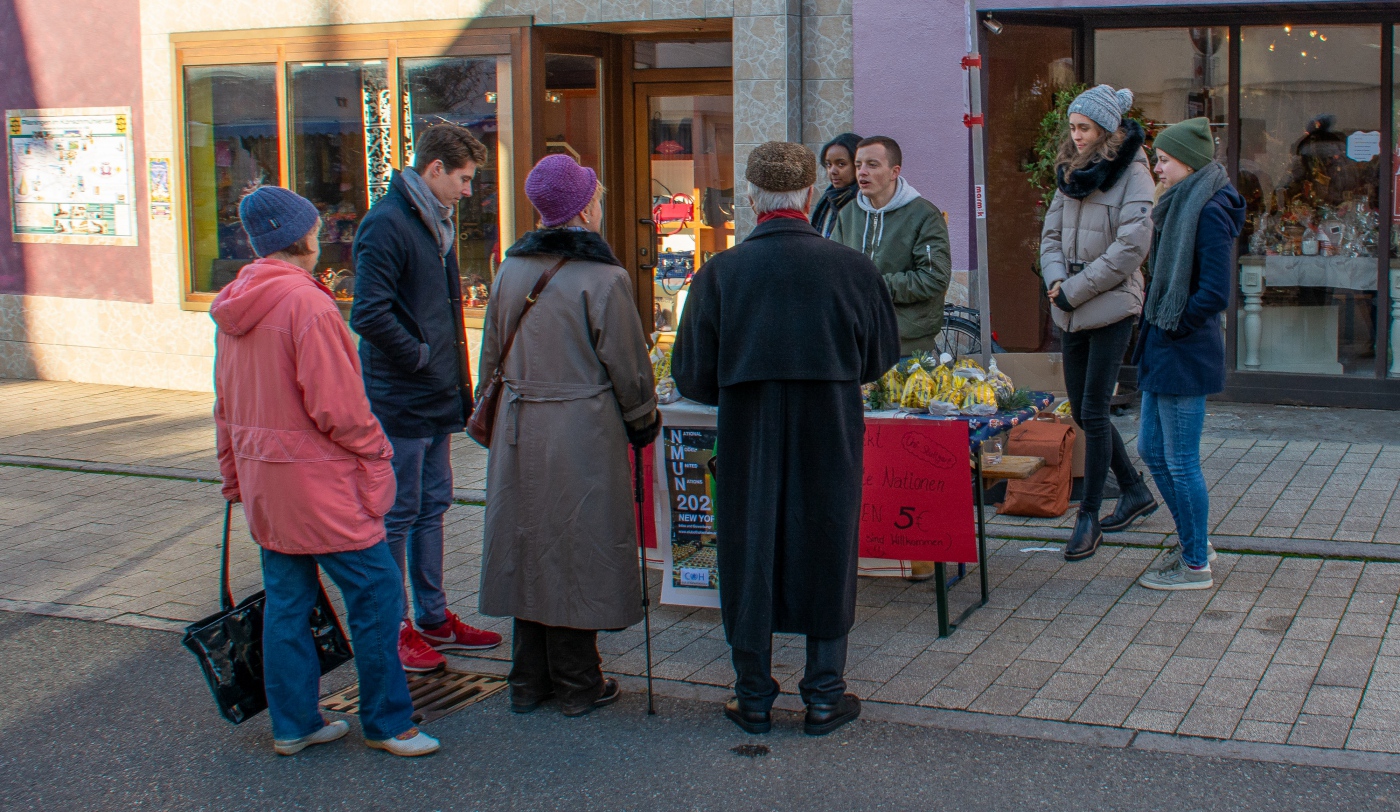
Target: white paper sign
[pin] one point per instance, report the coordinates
(1363, 146)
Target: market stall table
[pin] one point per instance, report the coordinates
(682, 498)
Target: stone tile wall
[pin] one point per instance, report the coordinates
(792, 81)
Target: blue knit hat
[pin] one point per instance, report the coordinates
(275, 218)
(1103, 105)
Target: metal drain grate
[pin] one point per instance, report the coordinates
(434, 695)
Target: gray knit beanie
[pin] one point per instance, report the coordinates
(1104, 105)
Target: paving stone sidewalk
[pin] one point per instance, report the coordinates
(1268, 489)
(1284, 649)
(148, 429)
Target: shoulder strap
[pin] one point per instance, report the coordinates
(225, 593)
(529, 303)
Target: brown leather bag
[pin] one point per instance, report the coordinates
(483, 419)
(1044, 493)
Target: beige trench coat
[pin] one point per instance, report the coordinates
(1110, 233)
(561, 533)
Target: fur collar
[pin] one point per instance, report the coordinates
(562, 242)
(1101, 175)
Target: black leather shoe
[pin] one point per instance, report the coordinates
(611, 692)
(528, 705)
(749, 721)
(1134, 503)
(1085, 540)
(823, 718)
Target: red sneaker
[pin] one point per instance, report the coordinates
(454, 635)
(415, 653)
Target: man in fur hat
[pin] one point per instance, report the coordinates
(806, 322)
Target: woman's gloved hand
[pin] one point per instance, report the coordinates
(643, 431)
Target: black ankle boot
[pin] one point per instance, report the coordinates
(1086, 538)
(1134, 503)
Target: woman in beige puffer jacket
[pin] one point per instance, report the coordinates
(1095, 239)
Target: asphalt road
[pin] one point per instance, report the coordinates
(95, 716)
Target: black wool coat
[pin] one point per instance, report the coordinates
(408, 295)
(780, 332)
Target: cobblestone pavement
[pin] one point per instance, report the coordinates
(147, 429)
(1285, 649)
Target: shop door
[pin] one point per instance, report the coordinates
(684, 134)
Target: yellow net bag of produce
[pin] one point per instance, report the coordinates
(918, 389)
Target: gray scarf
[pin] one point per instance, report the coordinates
(1173, 259)
(428, 206)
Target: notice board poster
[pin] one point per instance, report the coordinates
(72, 176)
(916, 497)
(691, 573)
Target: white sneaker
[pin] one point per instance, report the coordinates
(328, 733)
(412, 743)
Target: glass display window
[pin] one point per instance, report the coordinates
(332, 116)
(690, 141)
(462, 91)
(231, 148)
(1174, 73)
(340, 123)
(1309, 166)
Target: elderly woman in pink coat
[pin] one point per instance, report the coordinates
(300, 449)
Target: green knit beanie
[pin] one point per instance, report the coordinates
(1188, 141)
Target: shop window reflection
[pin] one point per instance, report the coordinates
(1392, 278)
(231, 147)
(461, 90)
(691, 157)
(340, 126)
(1309, 169)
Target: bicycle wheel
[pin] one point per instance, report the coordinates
(960, 338)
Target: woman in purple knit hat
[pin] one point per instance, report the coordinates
(560, 554)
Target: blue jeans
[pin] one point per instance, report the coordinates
(373, 591)
(1170, 443)
(413, 526)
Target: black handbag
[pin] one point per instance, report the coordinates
(228, 645)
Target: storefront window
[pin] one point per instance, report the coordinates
(669, 54)
(1309, 169)
(1174, 73)
(340, 126)
(1393, 271)
(691, 149)
(461, 90)
(231, 147)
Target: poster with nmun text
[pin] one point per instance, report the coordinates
(686, 516)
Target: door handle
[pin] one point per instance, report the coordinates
(651, 231)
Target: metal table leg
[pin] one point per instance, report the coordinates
(940, 579)
(981, 532)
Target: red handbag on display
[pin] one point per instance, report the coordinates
(679, 208)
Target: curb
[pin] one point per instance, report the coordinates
(1114, 738)
(464, 496)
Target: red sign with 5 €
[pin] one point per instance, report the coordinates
(916, 498)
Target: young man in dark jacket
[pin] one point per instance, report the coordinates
(413, 348)
(791, 432)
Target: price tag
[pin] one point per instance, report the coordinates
(916, 499)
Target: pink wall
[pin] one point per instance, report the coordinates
(909, 85)
(77, 53)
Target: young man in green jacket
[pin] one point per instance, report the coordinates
(907, 239)
(905, 236)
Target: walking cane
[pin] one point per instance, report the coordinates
(642, 558)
